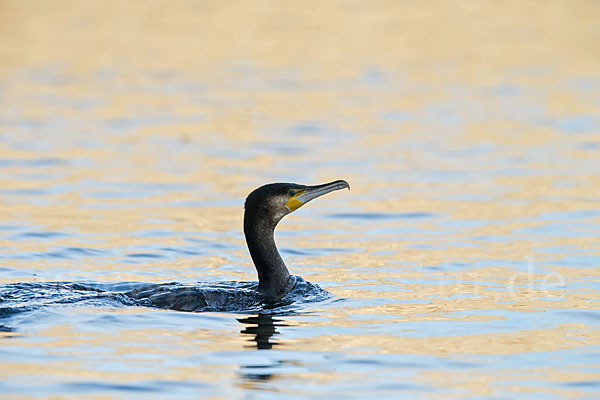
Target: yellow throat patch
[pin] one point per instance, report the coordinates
(293, 203)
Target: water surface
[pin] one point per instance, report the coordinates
(464, 262)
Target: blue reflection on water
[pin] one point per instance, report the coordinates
(578, 124)
(317, 147)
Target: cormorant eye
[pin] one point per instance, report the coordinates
(291, 193)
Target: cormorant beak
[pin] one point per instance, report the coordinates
(307, 193)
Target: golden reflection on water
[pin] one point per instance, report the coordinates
(203, 98)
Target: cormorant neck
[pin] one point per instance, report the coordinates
(273, 276)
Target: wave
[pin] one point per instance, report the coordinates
(229, 296)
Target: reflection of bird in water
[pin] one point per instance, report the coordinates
(264, 208)
(262, 328)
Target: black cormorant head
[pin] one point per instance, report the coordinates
(275, 200)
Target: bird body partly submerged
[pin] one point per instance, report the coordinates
(264, 208)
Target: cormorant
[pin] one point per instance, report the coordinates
(264, 208)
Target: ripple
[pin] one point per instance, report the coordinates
(583, 384)
(22, 297)
(42, 235)
(145, 255)
(382, 215)
(578, 124)
(183, 251)
(86, 251)
(99, 386)
(39, 162)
